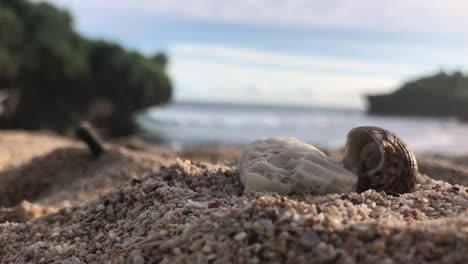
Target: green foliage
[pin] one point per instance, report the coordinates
(8, 67)
(59, 75)
(10, 37)
(444, 85)
(11, 30)
(126, 75)
(160, 59)
(439, 95)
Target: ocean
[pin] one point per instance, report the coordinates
(196, 123)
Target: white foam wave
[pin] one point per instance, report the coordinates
(204, 123)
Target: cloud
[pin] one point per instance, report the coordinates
(285, 85)
(255, 90)
(218, 72)
(397, 15)
(285, 60)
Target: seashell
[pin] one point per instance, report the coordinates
(380, 159)
(374, 159)
(286, 165)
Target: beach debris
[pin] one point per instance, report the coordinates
(87, 134)
(374, 159)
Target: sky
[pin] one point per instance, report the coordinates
(322, 53)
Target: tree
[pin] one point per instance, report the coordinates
(56, 77)
(161, 59)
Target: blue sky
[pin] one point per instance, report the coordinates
(327, 53)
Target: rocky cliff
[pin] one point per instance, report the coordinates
(440, 95)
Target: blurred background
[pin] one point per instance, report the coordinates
(210, 72)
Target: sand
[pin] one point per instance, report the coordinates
(141, 204)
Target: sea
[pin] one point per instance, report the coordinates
(202, 123)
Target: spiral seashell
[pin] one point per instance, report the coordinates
(380, 159)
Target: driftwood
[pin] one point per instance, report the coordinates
(87, 134)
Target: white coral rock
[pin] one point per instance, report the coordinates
(284, 165)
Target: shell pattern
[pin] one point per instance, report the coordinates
(286, 165)
(381, 160)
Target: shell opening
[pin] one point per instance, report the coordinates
(362, 155)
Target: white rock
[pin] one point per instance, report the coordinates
(284, 165)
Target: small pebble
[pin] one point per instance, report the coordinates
(240, 236)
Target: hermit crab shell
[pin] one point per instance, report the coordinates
(380, 159)
(286, 165)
